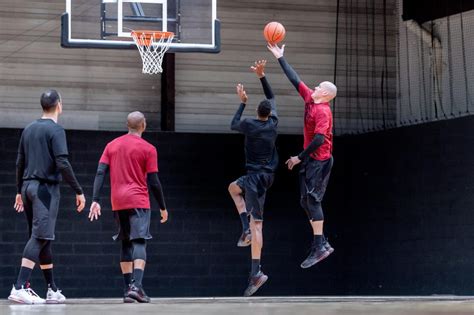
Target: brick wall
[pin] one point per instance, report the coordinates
(398, 212)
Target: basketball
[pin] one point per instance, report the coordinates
(274, 32)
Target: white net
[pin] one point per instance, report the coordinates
(152, 47)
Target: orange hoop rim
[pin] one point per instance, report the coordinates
(149, 34)
(143, 37)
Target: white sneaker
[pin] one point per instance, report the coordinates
(54, 297)
(25, 296)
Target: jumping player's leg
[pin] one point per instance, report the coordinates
(255, 200)
(256, 227)
(313, 181)
(237, 195)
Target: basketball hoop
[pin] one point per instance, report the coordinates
(152, 46)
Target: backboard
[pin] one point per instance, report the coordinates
(108, 23)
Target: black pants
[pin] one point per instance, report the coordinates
(314, 177)
(41, 203)
(254, 187)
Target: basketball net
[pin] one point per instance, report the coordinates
(152, 46)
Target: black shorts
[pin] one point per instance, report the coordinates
(314, 177)
(132, 224)
(41, 203)
(254, 187)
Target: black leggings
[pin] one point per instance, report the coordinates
(39, 251)
(133, 250)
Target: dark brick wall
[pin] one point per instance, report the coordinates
(398, 212)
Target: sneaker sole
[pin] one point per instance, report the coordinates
(326, 254)
(250, 292)
(128, 300)
(137, 298)
(239, 244)
(13, 299)
(54, 302)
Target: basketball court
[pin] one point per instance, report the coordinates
(259, 305)
(399, 197)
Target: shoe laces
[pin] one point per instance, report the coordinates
(31, 292)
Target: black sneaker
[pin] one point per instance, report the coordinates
(255, 283)
(245, 239)
(315, 256)
(328, 247)
(138, 294)
(126, 298)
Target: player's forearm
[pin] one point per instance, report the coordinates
(290, 72)
(266, 88)
(65, 168)
(236, 120)
(99, 181)
(156, 189)
(20, 168)
(318, 140)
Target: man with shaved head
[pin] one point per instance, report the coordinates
(133, 165)
(316, 158)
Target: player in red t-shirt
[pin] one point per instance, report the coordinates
(133, 165)
(316, 158)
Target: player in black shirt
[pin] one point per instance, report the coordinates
(42, 159)
(248, 192)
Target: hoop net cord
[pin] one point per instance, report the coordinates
(152, 47)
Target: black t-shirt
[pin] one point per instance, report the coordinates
(260, 137)
(42, 141)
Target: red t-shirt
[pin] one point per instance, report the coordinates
(130, 158)
(317, 119)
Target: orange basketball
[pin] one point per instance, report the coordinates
(274, 32)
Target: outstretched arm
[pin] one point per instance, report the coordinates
(259, 69)
(236, 123)
(289, 71)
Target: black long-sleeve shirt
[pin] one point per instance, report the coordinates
(43, 155)
(260, 135)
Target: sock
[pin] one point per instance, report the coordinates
(127, 279)
(23, 277)
(317, 241)
(48, 276)
(324, 240)
(244, 217)
(138, 276)
(255, 267)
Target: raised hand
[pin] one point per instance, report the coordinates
(259, 68)
(276, 50)
(241, 92)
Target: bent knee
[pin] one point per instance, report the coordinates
(234, 188)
